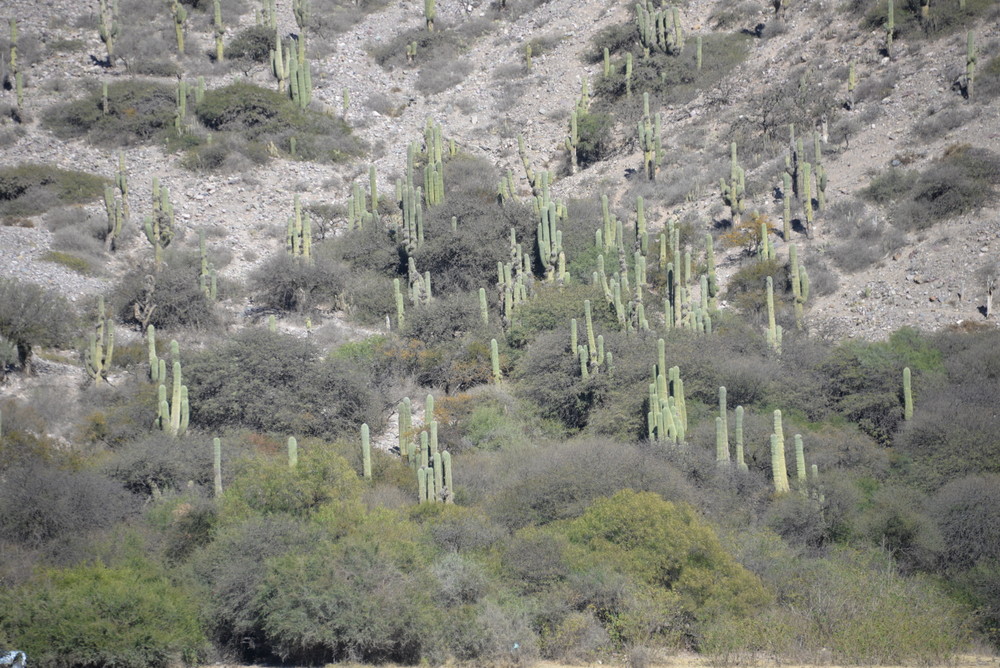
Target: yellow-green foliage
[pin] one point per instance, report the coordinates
(668, 546)
(130, 616)
(268, 485)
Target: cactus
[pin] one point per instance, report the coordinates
(572, 142)
(173, 414)
(628, 74)
(12, 60)
(907, 395)
(159, 226)
(495, 361)
(179, 13)
(800, 463)
(298, 232)
(217, 465)
(971, 56)
(890, 28)
(293, 452)
(97, 359)
(779, 472)
(772, 334)
(219, 30)
(740, 461)
(721, 445)
(650, 141)
(366, 452)
(154, 362)
(108, 27)
(430, 13)
(116, 218)
(300, 10)
(733, 191)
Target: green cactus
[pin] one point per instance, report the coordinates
(628, 74)
(572, 141)
(721, 445)
(12, 60)
(116, 218)
(800, 463)
(366, 452)
(173, 414)
(179, 14)
(734, 191)
(772, 335)
(154, 362)
(159, 226)
(217, 466)
(971, 56)
(430, 13)
(495, 361)
(907, 395)
(108, 27)
(890, 28)
(649, 141)
(219, 30)
(293, 452)
(301, 10)
(298, 232)
(779, 472)
(740, 461)
(97, 359)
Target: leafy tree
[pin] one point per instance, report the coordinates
(33, 316)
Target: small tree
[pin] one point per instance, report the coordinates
(33, 316)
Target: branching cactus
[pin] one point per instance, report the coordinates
(733, 191)
(179, 14)
(116, 218)
(97, 359)
(159, 226)
(298, 233)
(108, 27)
(173, 414)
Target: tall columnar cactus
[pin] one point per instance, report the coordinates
(650, 141)
(807, 197)
(800, 463)
(219, 30)
(154, 361)
(12, 60)
(971, 56)
(721, 445)
(108, 27)
(779, 472)
(800, 284)
(430, 13)
(173, 414)
(207, 280)
(159, 226)
(366, 452)
(179, 14)
(890, 28)
(298, 232)
(116, 218)
(97, 359)
(907, 395)
(628, 74)
(740, 460)
(301, 12)
(733, 191)
(217, 466)
(293, 452)
(772, 335)
(495, 361)
(572, 142)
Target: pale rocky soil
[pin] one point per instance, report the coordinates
(927, 284)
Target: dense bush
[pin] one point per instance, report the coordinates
(138, 111)
(176, 294)
(33, 316)
(95, 615)
(291, 283)
(265, 381)
(30, 189)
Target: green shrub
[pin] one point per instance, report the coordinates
(33, 316)
(594, 131)
(295, 284)
(72, 262)
(39, 504)
(138, 111)
(271, 382)
(94, 615)
(252, 44)
(31, 189)
(177, 295)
